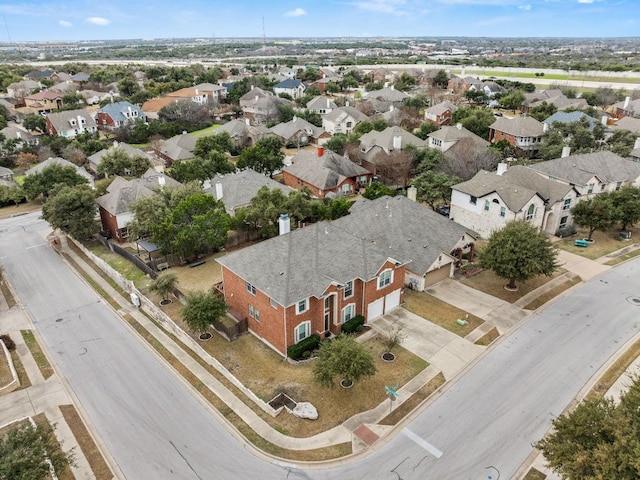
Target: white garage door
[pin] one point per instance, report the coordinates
(375, 309)
(392, 300)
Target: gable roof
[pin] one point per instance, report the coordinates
(484, 183)
(289, 83)
(571, 117)
(522, 126)
(96, 158)
(386, 94)
(384, 139)
(319, 103)
(441, 108)
(406, 228)
(44, 95)
(628, 123)
(255, 92)
(156, 104)
(234, 127)
(63, 163)
(325, 172)
(549, 190)
(288, 129)
(306, 261)
(12, 132)
(449, 133)
(579, 169)
(61, 121)
(118, 110)
(342, 112)
(240, 187)
(179, 147)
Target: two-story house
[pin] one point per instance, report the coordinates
(292, 87)
(70, 123)
(118, 114)
(523, 132)
(298, 132)
(325, 173)
(440, 113)
(321, 105)
(342, 120)
(310, 281)
(43, 102)
(448, 136)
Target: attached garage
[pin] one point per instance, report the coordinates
(392, 300)
(437, 275)
(375, 309)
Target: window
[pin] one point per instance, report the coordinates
(348, 289)
(487, 204)
(503, 211)
(257, 314)
(302, 331)
(567, 204)
(531, 212)
(250, 288)
(252, 311)
(563, 221)
(273, 303)
(385, 279)
(349, 124)
(472, 200)
(603, 186)
(301, 306)
(348, 312)
(618, 185)
(590, 190)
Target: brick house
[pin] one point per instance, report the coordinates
(310, 281)
(118, 114)
(43, 102)
(324, 173)
(440, 114)
(70, 123)
(524, 133)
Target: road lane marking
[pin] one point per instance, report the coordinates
(422, 442)
(35, 246)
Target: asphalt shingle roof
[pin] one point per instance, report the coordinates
(325, 172)
(384, 139)
(519, 126)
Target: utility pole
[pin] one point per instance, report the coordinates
(264, 35)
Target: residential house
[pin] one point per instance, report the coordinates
(628, 123)
(386, 98)
(552, 97)
(378, 150)
(203, 93)
(43, 102)
(591, 173)
(382, 75)
(260, 108)
(461, 84)
(342, 120)
(63, 163)
(95, 160)
(236, 190)
(254, 94)
(22, 137)
(152, 106)
(41, 75)
(178, 147)
(321, 105)
(115, 206)
(70, 123)
(64, 87)
(6, 177)
(310, 281)
(21, 89)
(325, 173)
(92, 97)
(321, 83)
(488, 87)
(80, 77)
(448, 136)
(627, 108)
(297, 132)
(523, 132)
(119, 114)
(571, 117)
(440, 114)
(292, 87)
(286, 72)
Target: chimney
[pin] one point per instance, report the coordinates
(115, 144)
(502, 167)
(397, 142)
(545, 127)
(328, 103)
(412, 193)
(320, 151)
(392, 87)
(184, 132)
(459, 126)
(196, 92)
(206, 184)
(566, 151)
(161, 180)
(391, 108)
(604, 120)
(252, 87)
(637, 143)
(218, 191)
(284, 224)
(294, 119)
(627, 101)
(346, 103)
(247, 122)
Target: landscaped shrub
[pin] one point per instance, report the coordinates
(296, 352)
(567, 231)
(351, 326)
(8, 342)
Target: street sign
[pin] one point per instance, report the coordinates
(391, 391)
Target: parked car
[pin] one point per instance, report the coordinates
(443, 210)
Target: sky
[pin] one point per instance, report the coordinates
(38, 20)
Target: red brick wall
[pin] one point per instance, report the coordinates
(109, 223)
(294, 182)
(372, 293)
(496, 136)
(103, 120)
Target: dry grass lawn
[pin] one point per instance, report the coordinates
(439, 312)
(488, 282)
(605, 243)
(6, 292)
(488, 337)
(624, 257)
(534, 474)
(5, 372)
(202, 277)
(89, 449)
(553, 293)
(37, 353)
(25, 382)
(27, 207)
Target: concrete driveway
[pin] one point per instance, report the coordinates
(444, 350)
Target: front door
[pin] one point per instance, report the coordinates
(328, 312)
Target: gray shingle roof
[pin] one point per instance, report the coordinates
(628, 123)
(571, 117)
(387, 95)
(62, 120)
(305, 262)
(405, 228)
(96, 158)
(342, 112)
(579, 169)
(179, 147)
(290, 128)
(319, 103)
(441, 108)
(448, 133)
(289, 83)
(240, 187)
(520, 126)
(484, 183)
(62, 162)
(326, 172)
(384, 139)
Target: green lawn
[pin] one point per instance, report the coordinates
(205, 131)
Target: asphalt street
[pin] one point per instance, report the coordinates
(154, 428)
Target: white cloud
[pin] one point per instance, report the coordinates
(298, 12)
(383, 6)
(65, 23)
(98, 21)
(524, 7)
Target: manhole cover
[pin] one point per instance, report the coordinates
(634, 300)
(59, 319)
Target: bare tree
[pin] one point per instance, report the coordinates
(394, 168)
(465, 159)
